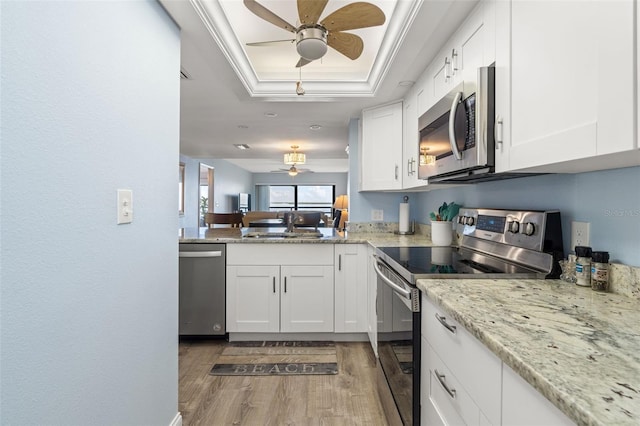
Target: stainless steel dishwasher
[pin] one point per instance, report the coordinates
(202, 270)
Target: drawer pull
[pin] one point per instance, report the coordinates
(440, 377)
(445, 324)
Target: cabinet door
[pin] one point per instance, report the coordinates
(253, 298)
(350, 288)
(381, 157)
(474, 43)
(570, 96)
(372, 284)
(523, 405)
(410, 140)
(306, 299)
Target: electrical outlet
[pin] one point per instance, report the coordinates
(377, 215)
(579, 234)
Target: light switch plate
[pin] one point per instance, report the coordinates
(125, 206)
(377, 215)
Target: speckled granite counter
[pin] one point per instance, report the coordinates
(376, 237)
(578, 347)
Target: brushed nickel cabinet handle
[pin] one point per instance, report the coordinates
(440, 377)
(285, 284)
(339, 262)
(274, 284)
(445, 324)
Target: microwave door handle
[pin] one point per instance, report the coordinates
(452, 126)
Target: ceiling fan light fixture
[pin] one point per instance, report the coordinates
(311, 43)
(293, 171)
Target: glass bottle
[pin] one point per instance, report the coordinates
(583, 266)
(600, 271)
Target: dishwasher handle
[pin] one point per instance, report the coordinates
(200, 253)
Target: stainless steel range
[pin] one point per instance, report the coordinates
(493, 244)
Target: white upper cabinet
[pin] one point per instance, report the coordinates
(381, 148)
(472, 46)
(410, 142)
(564, 85)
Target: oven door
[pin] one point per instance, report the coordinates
(398, 340)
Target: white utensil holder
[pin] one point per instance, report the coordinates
(441, 233)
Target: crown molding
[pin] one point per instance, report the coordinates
(213, 17)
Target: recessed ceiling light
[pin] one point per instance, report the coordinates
(406, 83)
(242, 126)
(315, 127)
(241, 146)
(270, 114)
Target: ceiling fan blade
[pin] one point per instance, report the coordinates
(309, 11)
(353, 16)
(302, 62)
(270, 43)
(350, 45)
(268, 15)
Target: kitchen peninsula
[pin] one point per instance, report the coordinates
(575, 347)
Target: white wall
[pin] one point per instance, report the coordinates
(90, 104)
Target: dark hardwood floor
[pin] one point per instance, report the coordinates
(348, 398)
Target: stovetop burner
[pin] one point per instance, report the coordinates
(443, 262)
(494, 244)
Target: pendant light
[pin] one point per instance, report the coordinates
(293, 158)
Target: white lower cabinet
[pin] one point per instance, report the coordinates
(461, 378)
(351, 264)
(523, 405)
(463, 383)
(280, 288)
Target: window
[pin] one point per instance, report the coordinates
(301, 197)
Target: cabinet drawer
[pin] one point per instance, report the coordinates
(479, 370)
(456, 407)
(280, 254)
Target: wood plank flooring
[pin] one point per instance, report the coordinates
(348, 398)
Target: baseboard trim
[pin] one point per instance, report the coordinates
(284, 337)
(177, 420)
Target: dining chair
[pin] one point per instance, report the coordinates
(233, 219)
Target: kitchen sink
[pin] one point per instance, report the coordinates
(280, 233)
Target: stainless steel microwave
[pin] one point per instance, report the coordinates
(456, 134)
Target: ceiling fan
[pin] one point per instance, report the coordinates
(293, 171)
(312, 38)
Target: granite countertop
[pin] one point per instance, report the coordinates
(377, 238)
(578, 347)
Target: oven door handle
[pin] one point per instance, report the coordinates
(395, 287)
(452, 126)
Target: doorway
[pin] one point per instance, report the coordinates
(205, 192)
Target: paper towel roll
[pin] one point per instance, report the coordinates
(403, 225)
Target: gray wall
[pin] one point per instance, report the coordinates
(230, 180)
(90, 104)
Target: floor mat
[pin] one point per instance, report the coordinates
(276, 358)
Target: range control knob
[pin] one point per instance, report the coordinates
(528, 228)
(468, 220)
(461, 219)
(513, 227)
